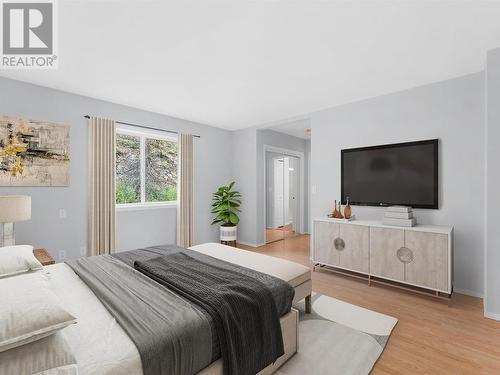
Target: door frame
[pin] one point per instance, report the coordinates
(275, 163)
(285, 152)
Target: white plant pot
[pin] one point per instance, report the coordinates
(228, 233)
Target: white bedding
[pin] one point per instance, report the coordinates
(101, 346)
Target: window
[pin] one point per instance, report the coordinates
(128, 169)
(146, 168)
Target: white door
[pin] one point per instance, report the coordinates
(278, 194)
(293, 192)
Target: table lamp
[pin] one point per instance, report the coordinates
(12, 208)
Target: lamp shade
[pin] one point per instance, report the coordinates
(14, 208)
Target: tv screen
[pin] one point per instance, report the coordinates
(397, 174)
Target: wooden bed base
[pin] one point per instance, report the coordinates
(308, 304)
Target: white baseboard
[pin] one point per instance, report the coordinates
(491, 315)
(250, 244)
(471, 293)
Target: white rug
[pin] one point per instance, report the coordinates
(338, 338)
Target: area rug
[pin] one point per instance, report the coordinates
(338, 338)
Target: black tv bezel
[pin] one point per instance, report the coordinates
(434, 205)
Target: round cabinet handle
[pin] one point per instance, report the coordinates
(339, 244)
(405, 255)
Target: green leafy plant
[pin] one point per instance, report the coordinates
(225, 204)
(126, 192)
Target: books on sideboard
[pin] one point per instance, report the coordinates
(400, 222)
(400, 216)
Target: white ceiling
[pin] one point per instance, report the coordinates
(298, 128)
(234, 64)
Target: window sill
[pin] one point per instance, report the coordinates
(145, 206)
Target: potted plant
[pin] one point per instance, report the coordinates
(225, 204)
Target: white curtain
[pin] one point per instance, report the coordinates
(102, 186)
(185, 191)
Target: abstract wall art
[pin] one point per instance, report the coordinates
(33, 153)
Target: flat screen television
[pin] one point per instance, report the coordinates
(396, 174)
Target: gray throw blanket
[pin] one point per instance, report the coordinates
(172, 335)
(282, 292)
(242, 308)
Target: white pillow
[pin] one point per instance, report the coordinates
(50, 355)
(17, 259)
(29, 311)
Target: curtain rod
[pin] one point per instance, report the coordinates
(146, 127)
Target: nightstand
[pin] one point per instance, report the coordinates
(43, 256)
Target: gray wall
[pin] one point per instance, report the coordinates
(492, 209)
(212, 160)
(307, 228)
(452, 111)
(244, 146)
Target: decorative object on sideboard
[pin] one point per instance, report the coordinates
(341, 220)
(335, 213)
(399, 216)
(225, 204)
(347, 209)
(33, 153)
(340, 211)
(13, 208)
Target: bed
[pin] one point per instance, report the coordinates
(100, 344)
(297, 275)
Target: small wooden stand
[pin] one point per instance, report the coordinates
(43, 256)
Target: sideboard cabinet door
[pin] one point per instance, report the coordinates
(429, 266)
(384, 246)
(325, 235)
(356, 253)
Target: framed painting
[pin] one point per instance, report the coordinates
(33, 153)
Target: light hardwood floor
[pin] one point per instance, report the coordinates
(430, 337)
(276, 234)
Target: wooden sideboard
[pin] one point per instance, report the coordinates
(420, 256)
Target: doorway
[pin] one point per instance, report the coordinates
(283, 200)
